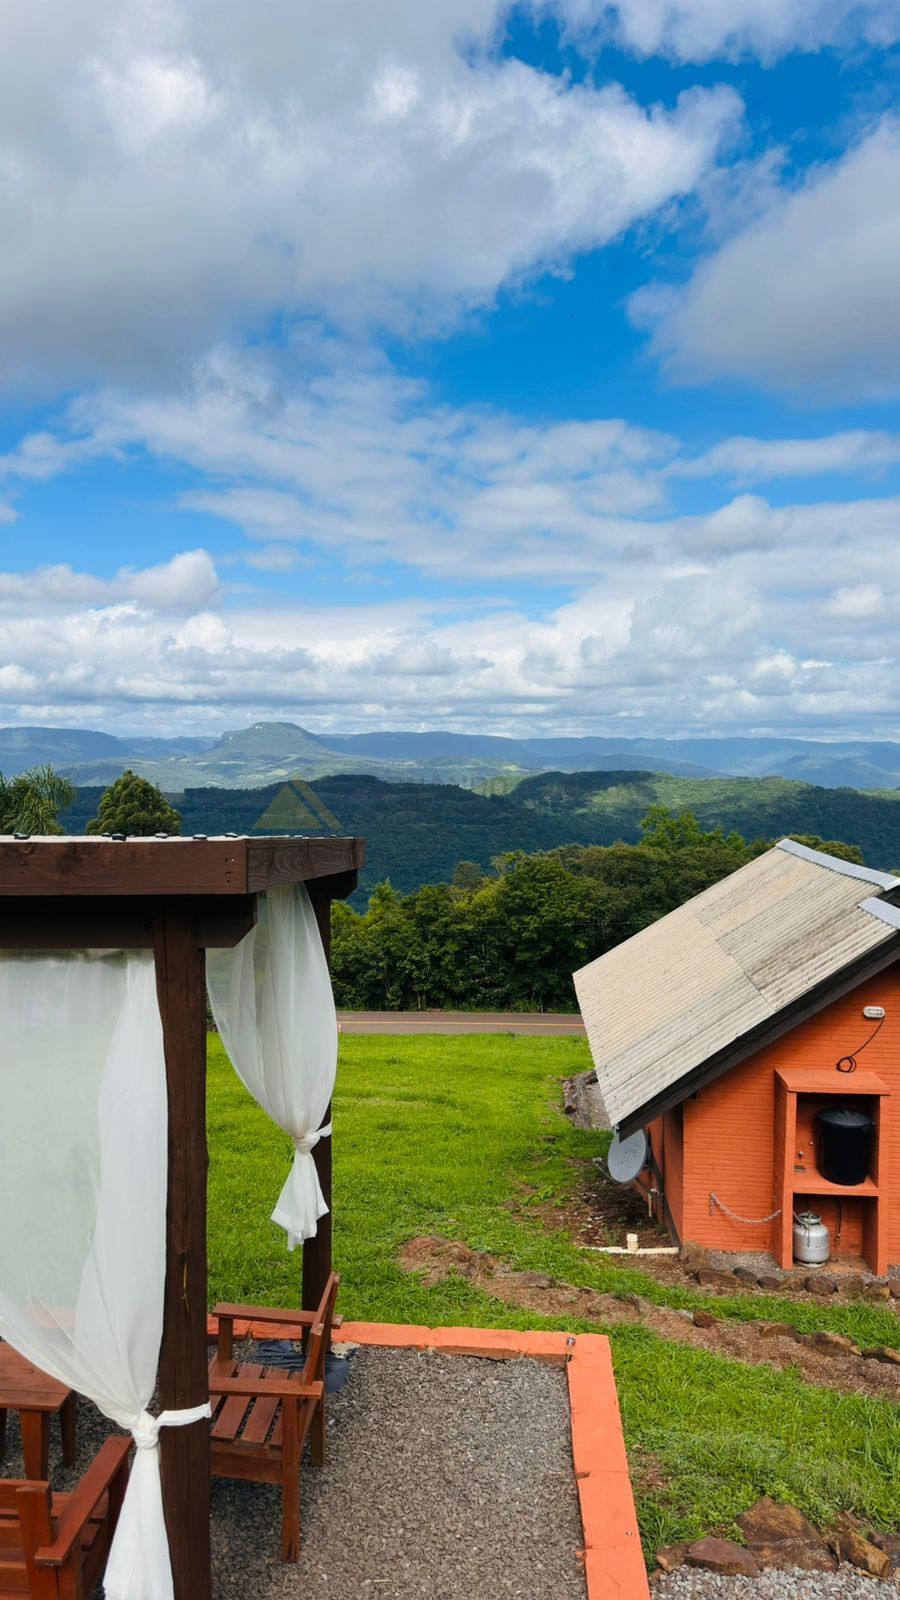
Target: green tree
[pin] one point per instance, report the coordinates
(31, 801)
(468, 875)
(663, 829)
(136, 807)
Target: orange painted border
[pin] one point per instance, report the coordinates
(613, 1563)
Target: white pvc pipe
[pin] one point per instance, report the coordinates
(643, 1250)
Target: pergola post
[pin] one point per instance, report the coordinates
(183, 1380)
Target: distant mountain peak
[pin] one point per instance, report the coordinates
(271, 739)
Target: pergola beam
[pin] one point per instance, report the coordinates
(87, 922)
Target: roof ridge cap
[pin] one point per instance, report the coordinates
(847, 869)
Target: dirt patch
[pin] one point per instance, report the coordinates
(759, 1344)
(598, 1212)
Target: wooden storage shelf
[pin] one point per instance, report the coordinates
(793, 1084)
(814, 1183)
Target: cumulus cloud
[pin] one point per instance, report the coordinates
(175, 173)
(805, 297)
(704, 30)
(187, 581)
(645, 653)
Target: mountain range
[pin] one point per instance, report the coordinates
(267, 752)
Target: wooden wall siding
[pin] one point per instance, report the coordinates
(736, 1143)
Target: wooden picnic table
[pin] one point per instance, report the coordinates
(24, 1388)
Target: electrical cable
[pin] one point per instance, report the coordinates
(848, 1063)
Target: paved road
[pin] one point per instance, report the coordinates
(458, 1022)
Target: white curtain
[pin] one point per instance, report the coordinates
(273, 1006)
(83, 1163)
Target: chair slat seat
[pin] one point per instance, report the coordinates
(233, 1409)
(258, 1425)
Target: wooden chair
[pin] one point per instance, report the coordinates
(261, 1416)
(55, 1546)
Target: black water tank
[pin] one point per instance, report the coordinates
(846, 1142)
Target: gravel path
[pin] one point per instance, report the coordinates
(447, 1478)
(689, 1583)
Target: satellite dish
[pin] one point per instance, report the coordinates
(628, 1157)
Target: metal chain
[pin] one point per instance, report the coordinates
(751, 1222)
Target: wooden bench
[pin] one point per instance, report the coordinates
(55, 1547)
(261, 1416)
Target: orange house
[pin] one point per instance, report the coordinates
(727, 1027)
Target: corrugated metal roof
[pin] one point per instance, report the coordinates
(693, 983)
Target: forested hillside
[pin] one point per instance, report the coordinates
(417, 833)
(600, 806)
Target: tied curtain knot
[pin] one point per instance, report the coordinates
(307, 1142)
(145, 1431)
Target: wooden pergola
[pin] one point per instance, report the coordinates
(178, 897)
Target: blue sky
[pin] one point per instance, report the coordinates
(519, 369)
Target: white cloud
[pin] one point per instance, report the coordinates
(704, 30)
(747, 460)
(187, 581)
(858, 600)
(176, 173)
(804, 298)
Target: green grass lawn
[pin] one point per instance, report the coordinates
(436, 1135)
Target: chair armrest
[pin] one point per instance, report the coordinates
(254, 1388)
(110, 1460)
(300, 1319)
